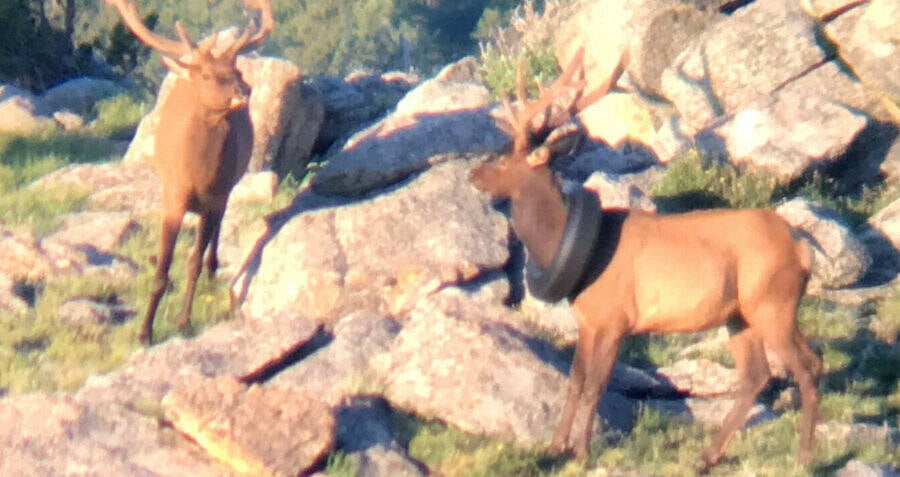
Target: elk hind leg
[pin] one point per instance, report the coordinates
(170, 226)
(207, 225)
(753, 375)
(793, 349)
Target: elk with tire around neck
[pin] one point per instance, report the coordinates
(203, 142)
(637, 272)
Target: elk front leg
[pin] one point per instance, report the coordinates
(208, 223)
(599, 370)
(170, 226)
(583, 350)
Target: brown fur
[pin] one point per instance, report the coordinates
(670, 274)
(203, 144)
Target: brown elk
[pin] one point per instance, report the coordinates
(666, 274)
(203, 142)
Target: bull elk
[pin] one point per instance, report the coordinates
(203, 142)
(647, 273)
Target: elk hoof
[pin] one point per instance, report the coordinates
(805, 457)
(581, 454)
(185, 327)
(557, 448)
(707, 461)
(146, 338)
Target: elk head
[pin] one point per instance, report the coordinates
(523, 175)
(216, 82)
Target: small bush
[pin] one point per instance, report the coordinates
(827, 191)
(695, 181)
(886, 324)
(118, 117)
(499, 70)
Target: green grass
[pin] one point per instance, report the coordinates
(886, 324)
(117, 117)
(695, 181)
(39, 210)
(341, 464)
(25, 158)
(449, 451)
(40, 352)
(827, 191)
(820, 318)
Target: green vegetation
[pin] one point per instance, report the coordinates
(886, 324)
(499, 70)
(42, 48)
(118, 117)
(855, 208)
(695, 181)
(38, 351)
(451, 452)
(25, 158)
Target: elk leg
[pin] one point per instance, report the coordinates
(753, 374)
(212, 257)
(207, 223)
(170, 227)
(599, 369)
(583, 351)
(805, 366)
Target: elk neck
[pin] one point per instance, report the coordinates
(539, 218)
(185, 98)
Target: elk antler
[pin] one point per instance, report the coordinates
(247, 40)
(517, 124)
(601, 91)
(132, 20)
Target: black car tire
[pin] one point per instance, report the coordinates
(583, 221)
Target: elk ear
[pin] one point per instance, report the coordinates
(180, 68)
(539, 157)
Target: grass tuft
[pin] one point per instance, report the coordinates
(695, 181)
(117, 117)
(886, 324)
(499, 70)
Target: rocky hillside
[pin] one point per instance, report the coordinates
(389, 286)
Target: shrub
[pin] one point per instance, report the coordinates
(886, 324)
(118, 117)
(695, 181)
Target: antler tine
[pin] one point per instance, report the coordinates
(520, 81)
(268, 23)
(521, 122)
(132, 20)
(603, 89)
(183, 35)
